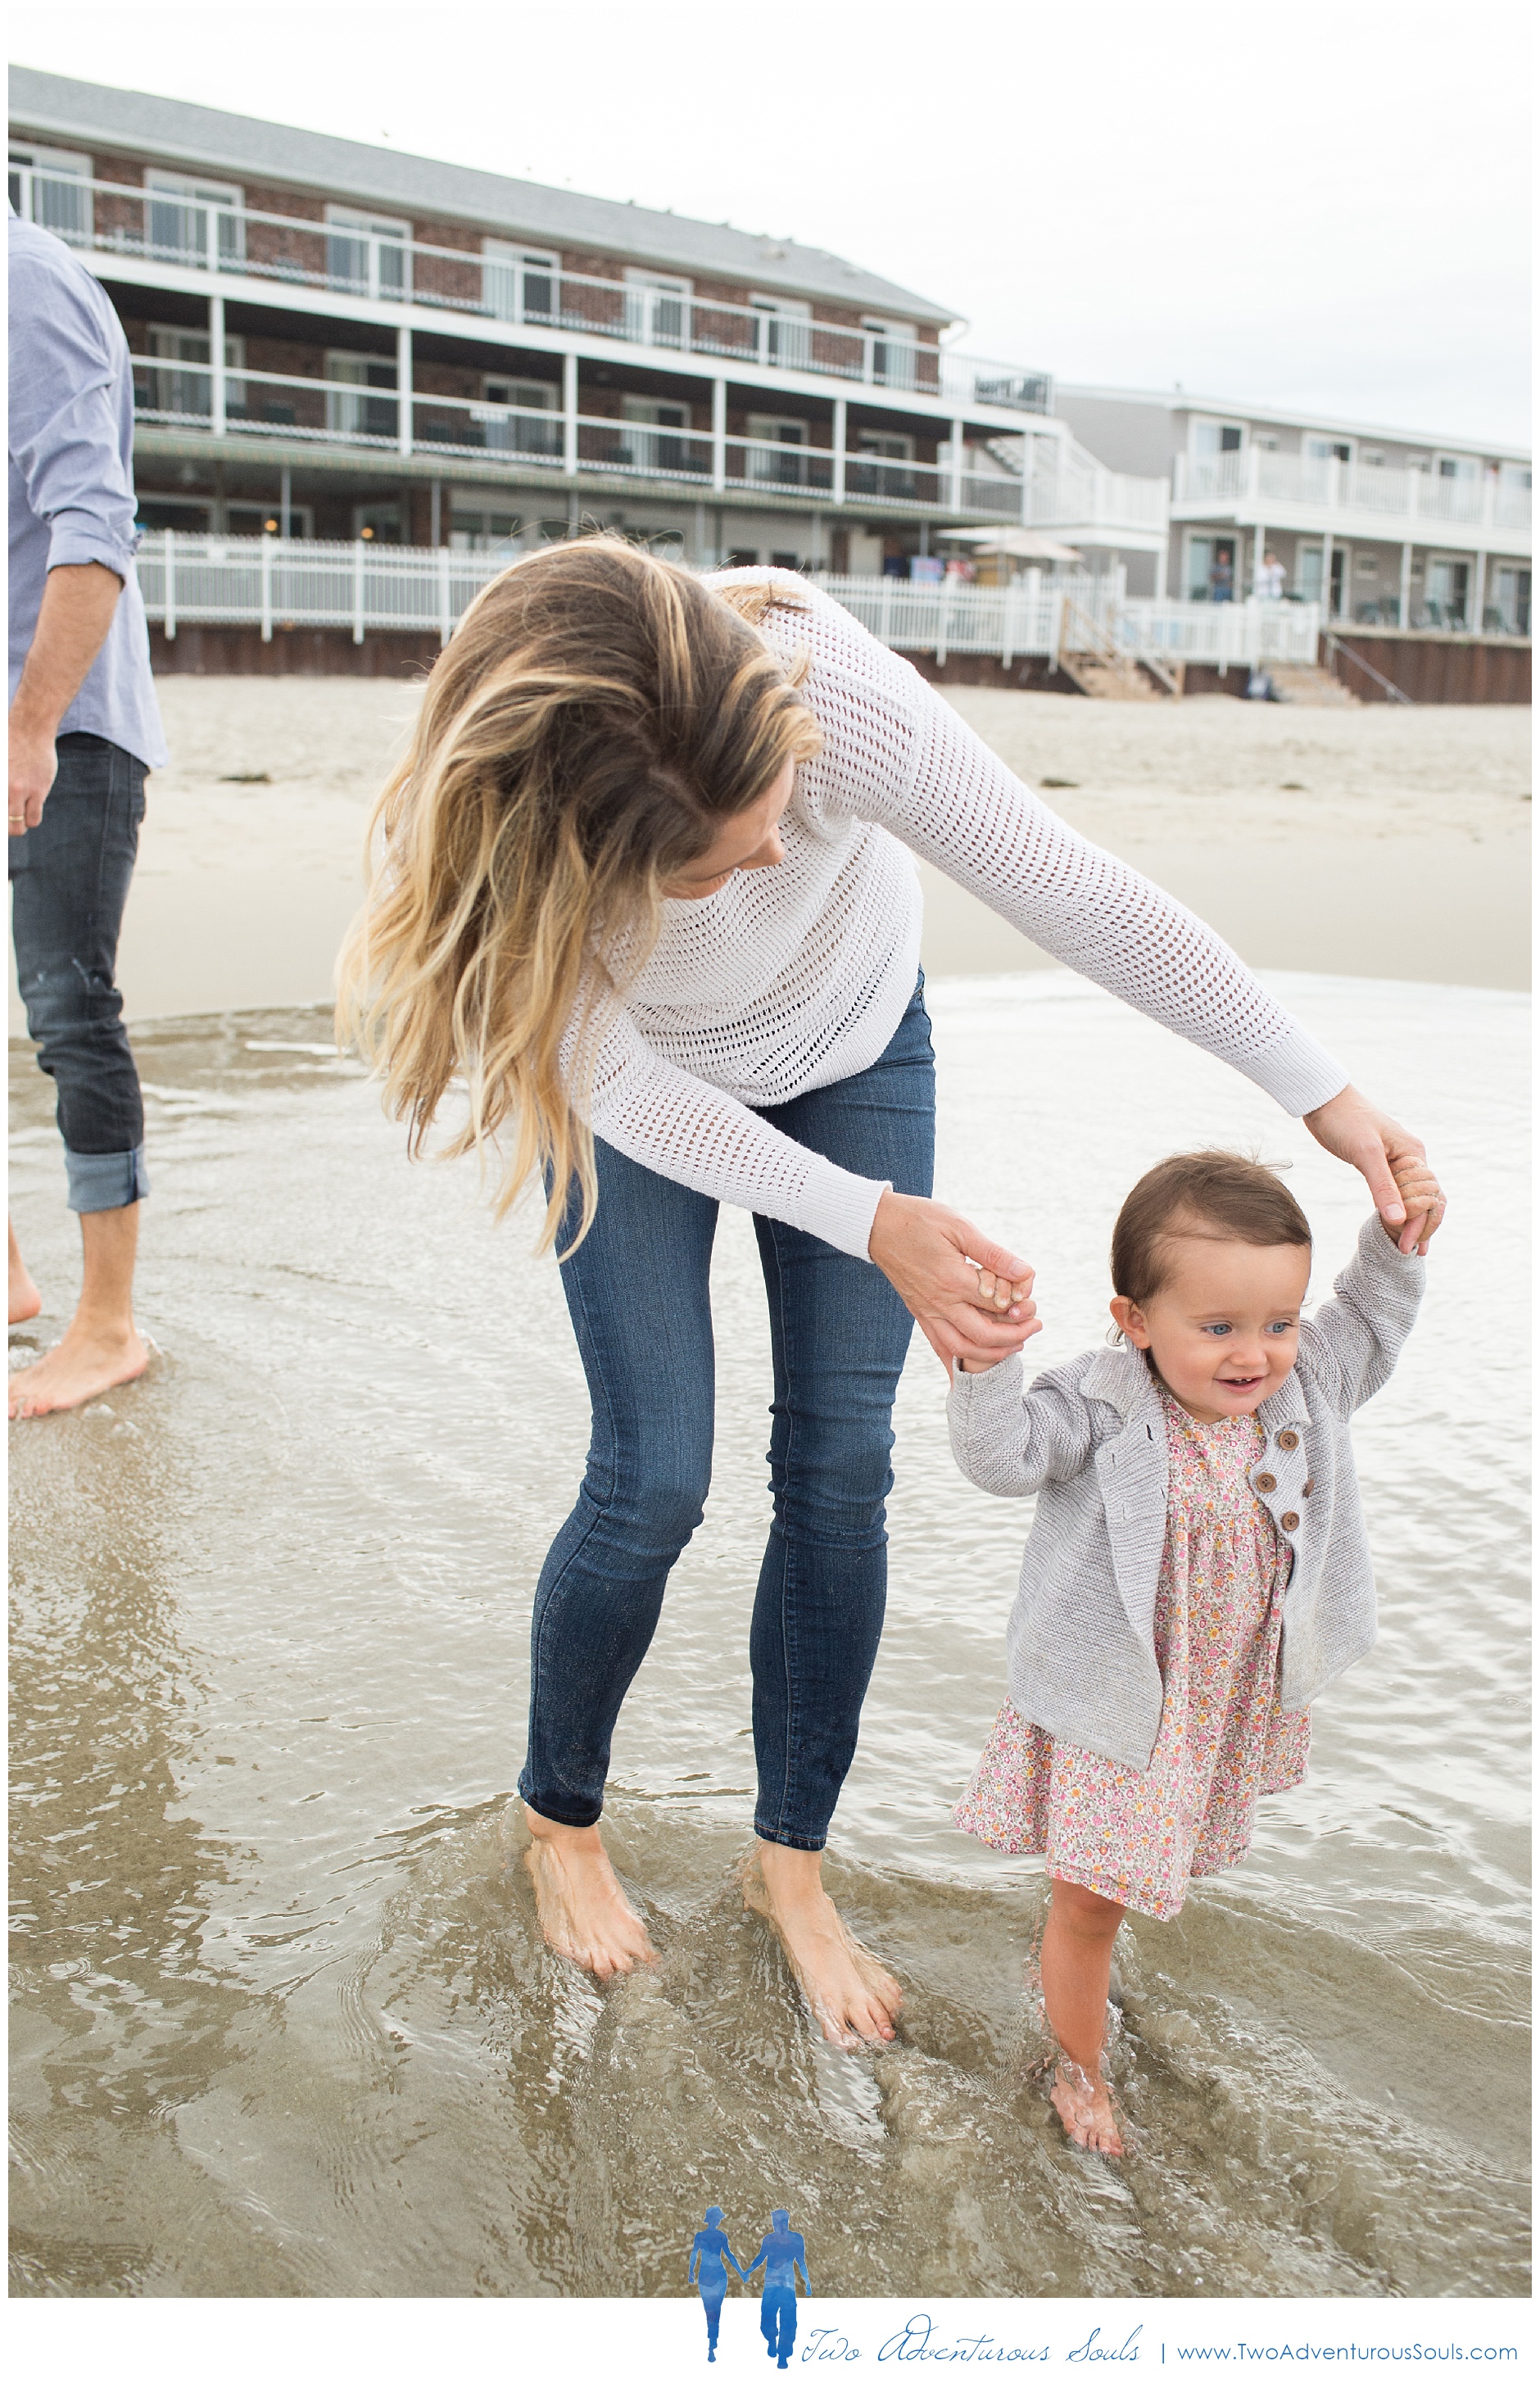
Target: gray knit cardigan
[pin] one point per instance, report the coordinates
(1090, 1440)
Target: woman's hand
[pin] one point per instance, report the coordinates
(1386, 1158)
(969, 1294)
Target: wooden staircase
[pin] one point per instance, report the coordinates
(1310, 684)
(1090, 657)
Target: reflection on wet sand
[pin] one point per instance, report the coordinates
(286, 2027)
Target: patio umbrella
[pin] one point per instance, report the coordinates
(1034, 546)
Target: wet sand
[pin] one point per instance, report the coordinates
(1402, 852)
(284, 2024)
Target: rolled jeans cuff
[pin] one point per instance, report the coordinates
(106, 1181)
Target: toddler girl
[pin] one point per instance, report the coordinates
(1197, 1569)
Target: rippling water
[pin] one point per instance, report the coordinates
(284, 2023)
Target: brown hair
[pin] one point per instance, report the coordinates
(1220, 1195)
(595, 719)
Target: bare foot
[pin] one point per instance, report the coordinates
(1085, 2108)
(583, 1912)
(26, 1300)
(89, 1361)
(851, 1995)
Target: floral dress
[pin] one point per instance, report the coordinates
(1224, 1738)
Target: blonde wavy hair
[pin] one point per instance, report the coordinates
(596, 719)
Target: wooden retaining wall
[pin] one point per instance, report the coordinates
(1432, 667)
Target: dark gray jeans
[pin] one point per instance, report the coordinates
(70, 881)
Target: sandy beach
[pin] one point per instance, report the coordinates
(1378, 842)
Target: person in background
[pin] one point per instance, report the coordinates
(1221, 577)
(85, 729)
(1268, 583)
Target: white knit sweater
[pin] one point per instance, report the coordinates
(796, 976)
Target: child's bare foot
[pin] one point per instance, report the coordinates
(1085, 2108)
(852, 1995)
(583, 1912)
(89, 1362)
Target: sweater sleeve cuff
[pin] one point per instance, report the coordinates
(1379, 1250)
(993, 1393)
(1298, 1073)
(841, 1208)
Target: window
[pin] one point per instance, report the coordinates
(52, 187)
(1324, 450)
(519, 285)
(893, 347)
(247, 519)
(369, 256)
(1217, 438)
(1514, 476)
(782, 335)
(778, 460)
(380, 523)
(1508, 609)
(194, 222)
(1373, 457)
(519, 415)
(1458, 468)
(1445, 592)
(361, 417)
(187, 393)
(475, 525)
(662, 451)
(657, 309)
(885, 468)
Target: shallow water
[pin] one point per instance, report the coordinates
(285, 2025)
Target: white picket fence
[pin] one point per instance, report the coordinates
(274, 584)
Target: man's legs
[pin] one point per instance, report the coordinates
(70, 878)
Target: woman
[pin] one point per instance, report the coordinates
(711, 2253)
(642, 883)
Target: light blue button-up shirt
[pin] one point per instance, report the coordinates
(71, 478)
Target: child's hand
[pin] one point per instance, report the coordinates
(1419, 1190)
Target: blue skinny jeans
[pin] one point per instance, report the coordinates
(638, 1290)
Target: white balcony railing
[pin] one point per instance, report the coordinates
(1069, 488)
(272, 584)
(1247, 481)
(181, 396)
(502, 283)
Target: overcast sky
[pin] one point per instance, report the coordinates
(1322, 205)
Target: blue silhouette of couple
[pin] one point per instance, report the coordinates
(783, 2254)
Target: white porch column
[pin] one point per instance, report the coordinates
(842, 411)
(1406, 608)
(1326, 577)
(1478, 589)
(1163, 565)
(569, 413)
(954, 494)
(286, 501)
(1260, 537)
(434, 511)
(217, 409)
(403, 392)
(719, 433)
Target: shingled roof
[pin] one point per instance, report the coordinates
(94, 115)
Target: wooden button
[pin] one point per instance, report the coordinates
(1266, 1483)
(1288, 1520)
(1288, 1440)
